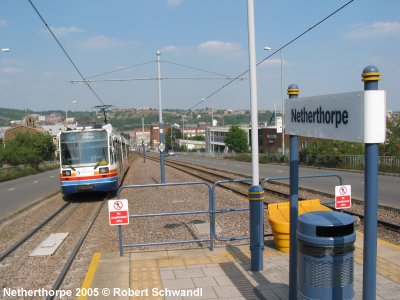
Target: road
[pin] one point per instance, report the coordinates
(388, 185)
(23, 191)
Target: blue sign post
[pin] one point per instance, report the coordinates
(370, 77)
(293, 92)
(144, 151)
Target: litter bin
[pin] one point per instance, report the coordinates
(325, 255)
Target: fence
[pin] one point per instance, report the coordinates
(386, 163)
(211, 212)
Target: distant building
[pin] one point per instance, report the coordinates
(138, 136)
(13, 131)
(191, 130)
(215, 138)
(268, 138)
(54, 119)
(155, 135)
(191, 145)
(271, 141)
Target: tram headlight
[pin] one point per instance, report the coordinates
(66, 173)
(104, 170)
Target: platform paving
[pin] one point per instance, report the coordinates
(222, 274)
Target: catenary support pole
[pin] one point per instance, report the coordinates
(293, 92)
(160, 120)
(256, 192)
(143, 145)
(370, 77)
(144, 151)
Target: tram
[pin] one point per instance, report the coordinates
(92, 159)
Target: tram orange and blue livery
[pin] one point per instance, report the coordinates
(92, 159)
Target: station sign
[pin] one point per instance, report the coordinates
(118, 212)
(354, 117)
(342, 196)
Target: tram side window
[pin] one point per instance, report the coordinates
(119, 155)
(113, 154)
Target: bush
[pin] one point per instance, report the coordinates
(26, 148)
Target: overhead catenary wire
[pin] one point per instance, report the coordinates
(222, 76)
(65, 52)
(152, 78)
(196, 68)
(272, 54)
(121, 69)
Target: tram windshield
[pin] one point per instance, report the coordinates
(84, 148)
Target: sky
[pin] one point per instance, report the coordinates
(202, 43)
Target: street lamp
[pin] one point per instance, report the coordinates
(160, 120)
(283, 103)
(66, 112)
(183, 128)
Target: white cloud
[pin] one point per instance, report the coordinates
(377, 29)
(169, 48)
(11, 70)
(62, 31)
(220, 48)
(271, 62)
(177, 50)
(102, 42)
(3, 23)
(274, 62)
(174, 2)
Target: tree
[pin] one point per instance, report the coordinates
(173, 134)
(27, 148)
(392, 145)
(236, 139)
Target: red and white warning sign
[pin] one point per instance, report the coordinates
(342, 196)
(118, 212)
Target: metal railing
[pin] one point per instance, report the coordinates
(212, 211)
(279, 178)
(196, 212)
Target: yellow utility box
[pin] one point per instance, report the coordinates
(279, 218)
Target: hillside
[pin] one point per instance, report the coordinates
(129, 119)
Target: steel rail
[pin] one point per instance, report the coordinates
(57, 284)
(20, 242)
(385, 224)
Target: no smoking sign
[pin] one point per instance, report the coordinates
(342, 196)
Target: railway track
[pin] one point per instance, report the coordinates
(67, 266)
(30, 234)
(18, 261)
(279, 190)
(50, 271)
